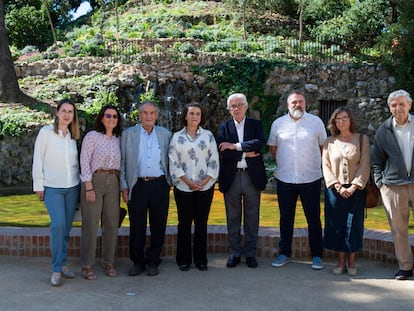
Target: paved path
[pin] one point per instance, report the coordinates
(24, 286)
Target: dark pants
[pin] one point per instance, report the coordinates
(242, 200)
(309, 194)
(152, 196)
(192, 206)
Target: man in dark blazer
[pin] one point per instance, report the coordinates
(242, 178)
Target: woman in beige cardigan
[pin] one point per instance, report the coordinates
(346, 168)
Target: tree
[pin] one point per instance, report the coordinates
(9, 87)
(50, 21)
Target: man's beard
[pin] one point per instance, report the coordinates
(296, 113)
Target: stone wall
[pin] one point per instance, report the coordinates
(364, 88)
(16, 155)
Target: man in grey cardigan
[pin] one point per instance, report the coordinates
(393, 168)
(145, 185)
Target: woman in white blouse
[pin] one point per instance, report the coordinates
(56, 182)
(194, 168)
(100, 163)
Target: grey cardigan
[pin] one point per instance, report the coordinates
(387, 159)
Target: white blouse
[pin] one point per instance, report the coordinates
(195, 158)
(55, 160)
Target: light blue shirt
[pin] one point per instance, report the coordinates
(149, 157)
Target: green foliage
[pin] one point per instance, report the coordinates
(320, 10)
(186, 47)
(356, 27)
(14, 121)
(245, 76)
(397, 46)
(28, 25)
(102, 98)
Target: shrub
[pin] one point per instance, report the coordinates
(177, 33)
(14, 121)
(187, 48)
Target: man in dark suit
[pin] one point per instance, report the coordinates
(242, 177)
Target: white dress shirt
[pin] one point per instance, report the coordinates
(405, 138)
(240, 134)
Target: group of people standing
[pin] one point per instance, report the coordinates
(144, 160)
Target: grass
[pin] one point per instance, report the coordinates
(27, 211)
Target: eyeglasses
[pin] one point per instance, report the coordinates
(108, 116)
(237, 106)
(343, 119)
(197, 114)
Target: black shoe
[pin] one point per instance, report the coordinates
(202, 267)
(403, 275)
(251, 262)
(233, 261)
(184, 267)
(153, 270)
(136, 270)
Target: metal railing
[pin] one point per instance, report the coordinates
(184, 50)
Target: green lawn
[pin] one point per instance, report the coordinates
(27, 211)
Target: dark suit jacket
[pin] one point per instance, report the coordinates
(253, 141)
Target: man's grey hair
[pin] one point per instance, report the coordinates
(399, 93)
(234, 96)
(148, 102)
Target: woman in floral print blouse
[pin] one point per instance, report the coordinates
(194, 168)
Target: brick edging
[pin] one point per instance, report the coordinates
(23, 241)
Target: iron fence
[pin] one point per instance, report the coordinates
(184, 50)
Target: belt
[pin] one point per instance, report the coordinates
(150, 178)
(113, 172)
(243, 169)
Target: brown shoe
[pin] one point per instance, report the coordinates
(88, 273)
(110, 270)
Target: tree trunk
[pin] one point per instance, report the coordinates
(9, 87)
(50, 22)
(301, 22)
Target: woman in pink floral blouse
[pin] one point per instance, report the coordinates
(100, 162)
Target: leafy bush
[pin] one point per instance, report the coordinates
(14, 121)
(29, 49)
(102, 98)
(15, 53)
(161, 33)
(28, 25)
(223, 46)
(187, 47)
(177, 33)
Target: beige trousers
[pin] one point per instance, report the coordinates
(396, 201)
(104, 210)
